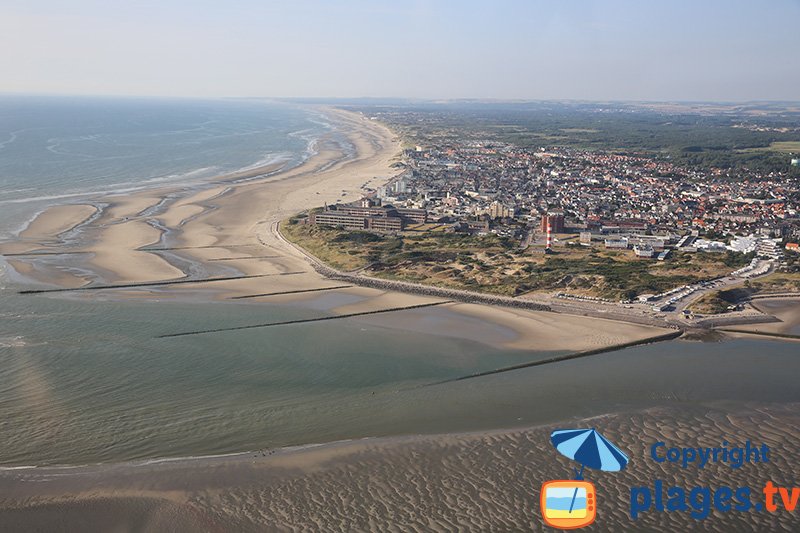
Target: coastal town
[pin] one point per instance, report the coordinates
(550, 203)
(423, 266)
(511, 189)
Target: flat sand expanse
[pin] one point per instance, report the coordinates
(463, 482)
(549, 331)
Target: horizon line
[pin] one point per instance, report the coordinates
(460, 99)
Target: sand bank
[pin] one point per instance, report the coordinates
(57, 220)
(124, 207)
(464, 482)
(117, 251)
(44, 230)
(509, 328)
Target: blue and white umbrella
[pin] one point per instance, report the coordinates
(589, 448)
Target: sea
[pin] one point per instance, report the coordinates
(87, 380)
(56, 149)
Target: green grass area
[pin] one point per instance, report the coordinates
(493, 264)
(341, 250)
(777, 282)
(579, 130)
(619, 274)
(786, 147)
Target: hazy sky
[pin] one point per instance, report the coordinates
(528, 49)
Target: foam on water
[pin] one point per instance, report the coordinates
(12, 342)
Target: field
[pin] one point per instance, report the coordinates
(785, 147)
(496, 265)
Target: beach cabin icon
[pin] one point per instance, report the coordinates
(568, 504)
(572, 504)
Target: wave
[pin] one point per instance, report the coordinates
(12, 342)
(217, 136)
(195, 458)
(269, 159)
(54, 146)
(11, 139)
(312, 137)
(114, 188)
(203, 126)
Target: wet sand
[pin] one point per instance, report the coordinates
(550, 331)
(516, 329)
(57, 220)
(485, 481)
(787, 310)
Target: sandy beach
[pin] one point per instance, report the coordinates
(228, 228)
(487, 481)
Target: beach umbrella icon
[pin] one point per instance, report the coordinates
(589, 448)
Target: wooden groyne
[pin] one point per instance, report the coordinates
(774, 295)
(197, 247)
(762, 333)
(245, 258)
(740, 320)
(154, 283)
(23, 254)
(297, 291)
(302, 320)
(566, 357)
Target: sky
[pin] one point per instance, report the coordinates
(700, 50)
